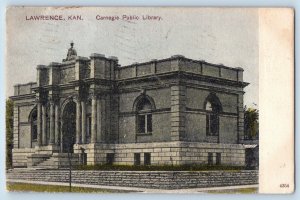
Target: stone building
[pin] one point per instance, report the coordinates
(169, 111)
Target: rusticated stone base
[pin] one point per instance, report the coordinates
(165, 153)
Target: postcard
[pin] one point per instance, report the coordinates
(150, 99)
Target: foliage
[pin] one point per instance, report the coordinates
(251, 123)
(57, 188)
(9, 132)
(158, 167)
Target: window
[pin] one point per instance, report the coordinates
(89, 128)
(110, 157)
(218, 159)
(33, 121)
(137, 159)
(144, 123)
(210, 159)
(147, 158)
(213, 108)
(144, 116)
(48, 125)
(212, 124)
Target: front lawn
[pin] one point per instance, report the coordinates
(25, 187)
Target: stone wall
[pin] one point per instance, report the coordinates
(196, 116)
(19, 156)
(178, 62)
(165, 153)
(161, 120)
(143, 179)
(21, 89)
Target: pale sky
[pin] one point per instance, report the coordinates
(216, 35)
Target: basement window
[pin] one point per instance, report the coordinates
(137, 159)
(210, 159)
(147, 158)
(218, 159)
(110, 157)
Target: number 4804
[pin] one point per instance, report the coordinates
(284, 185)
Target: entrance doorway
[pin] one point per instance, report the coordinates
(69, 127)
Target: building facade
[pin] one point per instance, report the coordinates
(171, 111)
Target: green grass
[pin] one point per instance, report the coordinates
(234, 191)
(160, 167)
(21, 187)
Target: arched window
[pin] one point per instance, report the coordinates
(213, 107)
(33, 123)
(144, 115)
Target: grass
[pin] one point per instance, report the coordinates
(160, 167)
(25, 187)
(234, 191)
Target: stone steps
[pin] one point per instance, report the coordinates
(57, 161)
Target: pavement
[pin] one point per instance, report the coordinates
(138, 190)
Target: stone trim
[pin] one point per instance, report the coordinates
(155, 111)
(16, 127)
(178, 95)
(170, 153)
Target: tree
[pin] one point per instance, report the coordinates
(9, 132)
(251, 123)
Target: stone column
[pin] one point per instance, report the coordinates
(83, 122)
(78, 121)
(103, 115)
(39, 123)
(44, 125)
(56, 126)
(240, 125)
(178, 112)
(94, 119)
(99, 123)
(51, 139)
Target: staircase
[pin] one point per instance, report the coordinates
(54, 161)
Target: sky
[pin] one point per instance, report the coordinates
(216, 35)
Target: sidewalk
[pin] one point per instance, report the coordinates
(135, 189)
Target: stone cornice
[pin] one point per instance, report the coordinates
(180, 57)
(182, 76)
(169, 78)
(22, 97)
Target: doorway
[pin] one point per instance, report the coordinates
(69, 127)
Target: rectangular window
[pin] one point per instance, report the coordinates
(137, 159)
(210, 159)
(147, 158)
(48, 129)
(149, 123)
(218, 159)
(141, 123)
(110, 157)
(212, 124)
(34, 131)
(214, 121)
(208, 124)
(144, 123)
(88, 128)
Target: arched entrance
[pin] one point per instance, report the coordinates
(69, 127)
